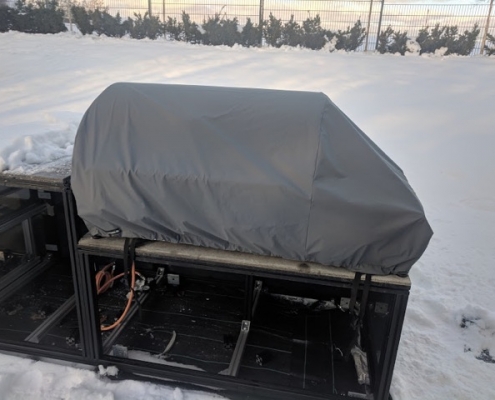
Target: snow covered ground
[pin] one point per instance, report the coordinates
(433, 115)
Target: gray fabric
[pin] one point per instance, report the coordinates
(269, 172)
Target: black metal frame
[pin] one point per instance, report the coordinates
(35, 265)
(229, 381)
(86, 304)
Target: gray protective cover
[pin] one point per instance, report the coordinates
(280, 173)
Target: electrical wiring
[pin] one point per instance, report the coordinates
(104, 279)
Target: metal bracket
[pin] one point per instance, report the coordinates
(173, 279)
(160, 273)
(119, 351)
(44, 195)
(51, 247)
(258, 286)
(344, 303)
(50, 210)
(381, 308)
(235, 362)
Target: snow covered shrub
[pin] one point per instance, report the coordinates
(82, 19)
(220, 31)
(315, 37)
(251, 34)
(186, 31)
(490, 47)
(351, 38)
(173, 28)
(42, 16)
(292, 33)
(99, 21)
(272, 31)
(106, 24)
(5, 18)
(310, 34)
(144, 26)
(390, 41)
(190, 29)
(448, 37)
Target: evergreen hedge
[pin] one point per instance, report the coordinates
(448, 37)
(390, 41)
(41, 16)
(430, 40)
(145, 26)
(5, 18)
(351, 38)
(220, 31)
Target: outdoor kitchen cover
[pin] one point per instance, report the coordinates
(280, 173)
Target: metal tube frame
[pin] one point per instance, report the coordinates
(17, 217)
(27, 277)
(52, 320)
(17, 273)
(91, 341)
(383, 376)
(35, 266)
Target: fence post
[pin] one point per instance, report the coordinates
(163, 10)
(379, 24)
(368, 27)
(487, 27)
(149, 8)
(260, 23)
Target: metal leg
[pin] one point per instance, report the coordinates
(235, 362)
(387, 360)
(95, 350)
(252, 299)
(75, 267)
(84, 290)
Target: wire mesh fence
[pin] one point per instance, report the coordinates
(411, 18)
(374, 15)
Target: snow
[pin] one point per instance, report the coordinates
(433, 115)
(24, 379)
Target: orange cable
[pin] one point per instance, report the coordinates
(108, 281)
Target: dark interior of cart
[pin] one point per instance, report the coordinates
(299, 335)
